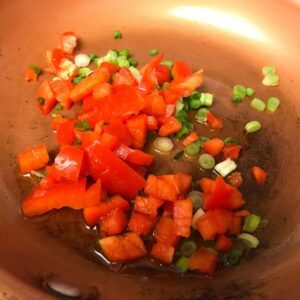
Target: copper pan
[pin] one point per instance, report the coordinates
(232, 41)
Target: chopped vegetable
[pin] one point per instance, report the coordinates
(225, 167)
(234, 256)
(269, 70)
(192, 149)
(213, 146)
(82, 125)
(191, 138)
(253, 126)
(250, 91)
(271, 80)
(167, 63)
(153, 52)
(196, 198)
(258, 104)
(214, 122)
(182, 264)
(206, 161)
(178, 155)
(117, 34)
(223, 243)
(238, 93)
(92, 56)
(272, 104)
(199, 213)
(251, 223)
(201, 115)
(162, 252)
(230, 140)
(250, 240)
(163, 144)
(235, 179)
(187, 248)
(82, 60)
(183, 213)
(259, 174)
(206, 99)
(231, 151)
(171, 125)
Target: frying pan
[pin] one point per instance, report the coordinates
(232, 41)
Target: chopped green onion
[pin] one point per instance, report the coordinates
(201, 115)
(111, 57)
(135, 73)
(230, 140)
(206, 161)
(117, 34)
(234, 256)
(182, 264)
(203, 139)
(197, 199)
(238, 93)
(271, 80)
(92, 56)
(179, 106)
(165, 85)
(82, 125)
(178, 155)
(187, 248)
(199, 213)
(225, 167)
(250, 91)
(183, 132)
(192, 149)
(58, 107)
(195, 103)
(41, 100)
(250, 240)
(76, 80)
(35, 69)
(263, 223)
(258, 104)
(163, 144)
(153, 51)
(206, 99)
(251, 223)
(124, 52)
(84, 72)
(168, 63)
(122, 61)
(195, 95)
(273, 104)
(132, 62)
(252, 126)
(269, 70)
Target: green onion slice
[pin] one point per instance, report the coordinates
(117, 34)
(197, 199)
(41, 100)
(272, 104)
(206, 161)
(251, 223)
(250, 91)
(182, 264)
(258, 104)
(192, 149)
(168, 63)
(225, 167)
(271, 80)
(230, 140)
(234, 256)
(178, 155)
(201, 115)
(153, 51)
(253, 126)
(35, 69)
(249, 240)
(269, 70)
(82, 125)
(187, 248)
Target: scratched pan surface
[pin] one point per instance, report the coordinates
(231, 40)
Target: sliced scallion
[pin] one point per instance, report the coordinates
(234, 256)
(122, 62)
(271, 80)
(178, 155)
(192, 149)
(182, 264)
(135, 73)
(230, 140)
(269, 70)
(198, 214)
(58, 107)
(165, 85)
(197, 199)
(187, 248)
(132, 62)
(201, 115)
(92, 56)
(163, 144)
(238, 93)
(258, 104)
(179, 106)
(251, 223)
(124, 52)
(206, 161)
(195, 103)
(250, 91)
(250, 240)
(168, 63)
(195, 95)
(35, 69)
(76, 80)
(206, 99)
(183, 132)
(117, 34)
(263, 223)
(84, 72)
(253, 126)
(225, 167)
(272, 104)
(153, 51)
(82, 125)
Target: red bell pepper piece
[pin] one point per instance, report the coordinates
(160, 189)
(67, 164)
(61, 89)
(60, 195)
(65, 133)
(259, 174)
(181, 69)
(231, 151)
(190, 139)
(124, 77)
(162, 252)
(182, 182)
(213, 121)
(183, 87)
(117, 177)
(147, 205)
(170, 97)
(141, 224)
(68, 42)
(152, 123)
(56, 121)
(111, 68)
(203, 261)
(165, 231)
(137, 126)
(45, 97)
(109, 141)
(120, 131)
(55, 58)
(214, 146)
(47, 182)
(123, 248)
(86, 85)
(87, 138)
(171, 125)
(242, 213)
(102, 90)
(223, 243)
(170, 110)
(182, 214)
(162, 74)
(89, 103)
(33, 159)
(114, 223)
(93, 195)
(155, 105)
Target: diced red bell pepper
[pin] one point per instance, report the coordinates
(235, 225)
(124, 77)
(62, 89)
(181, 182)
(223, 243)
(45, 97)
(137, 126)
(259, 174)
(213, 121)
(67, 164)
(170, 110)
(93, 195)
(142, 170)
(30, 75)
(102, 90)
(168, 208)
(89, 103)
(165, 231)
(170, 97)
(183, 87)
(162, 252)
(155, 105)
(109, 141)
(171, 125)
(111, 68)
(114, 223)
(190, 139)
(182, 214)
(33, 159)
(65, 133)
(68, 42)
(160, 189)
(181, 69)
(152, 123)
(87, 138)
(60, 195)
(147, 205)
(120, 131)
(203, 261)
(214, 146)
(47, 182)
(56, 56)
(123, 248)
(242, 213)
(117, 177)
(86, 85)
(162, 74)
(141, 224)
(231, 151)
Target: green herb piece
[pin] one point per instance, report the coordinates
(201, 115)
(251, 223)
(206, 99)
(124, 52)
(234, 256)
(178, 155)
(250, 240)
(187, 248)
(192, 149)
(82, 125)
(92, 56)
(84, 72)
(117, 35)
(269, 70)
(272, 104)
(41, 100)
(132, 62)
(238, 93)
(250, 91)
(253, 126)
(197, 199)
(206, 161)
(271, 80)
(76, 80)
(167, 63)
(183, 132)
(230, 140)
(153, 52)
(35, 69)
(58, 107)
(122, 61)
(182, 264)
(258, 104)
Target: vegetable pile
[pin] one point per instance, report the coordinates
(102, 169)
